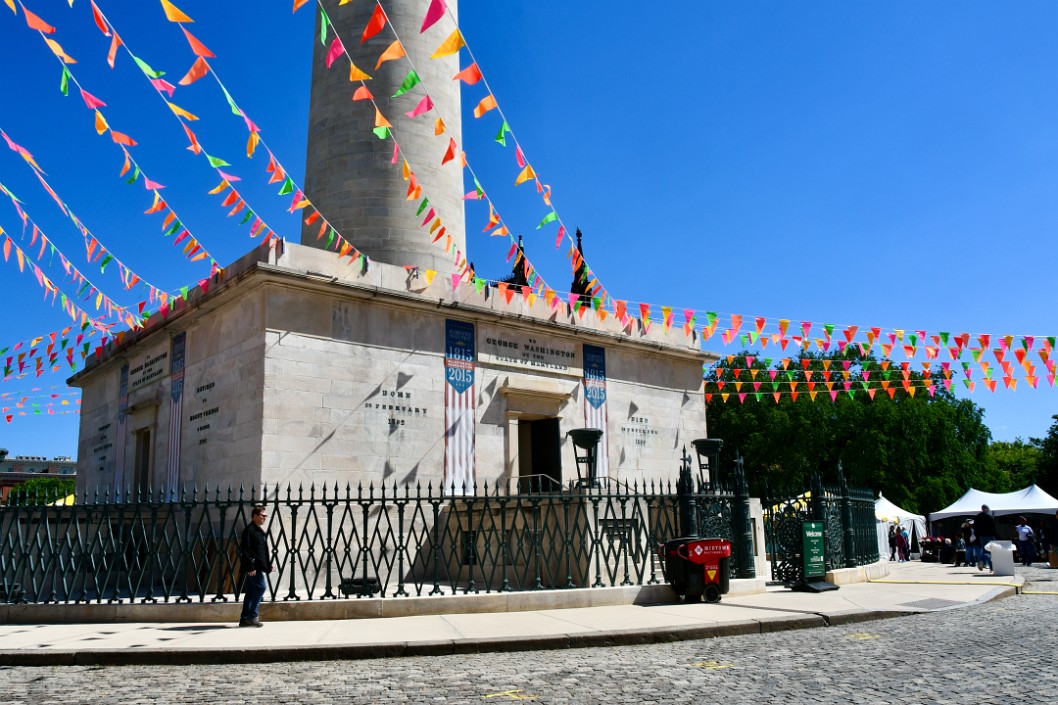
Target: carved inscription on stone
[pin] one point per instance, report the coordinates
(528, 352)
(149, 370)
(396, 406)
(638, 431)
(202, 420)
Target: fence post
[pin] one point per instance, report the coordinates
(742, 531)
(688, 503)
(848, 532)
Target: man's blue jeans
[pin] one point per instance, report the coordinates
(985, 555)
(254, 587)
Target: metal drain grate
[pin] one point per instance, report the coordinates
(932, 603)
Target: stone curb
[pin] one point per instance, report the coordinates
(348, 652)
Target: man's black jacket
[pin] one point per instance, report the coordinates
(253, 547)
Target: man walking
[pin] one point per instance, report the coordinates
(985, 529)
(256, 561)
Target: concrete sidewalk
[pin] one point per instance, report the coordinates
(909, 588)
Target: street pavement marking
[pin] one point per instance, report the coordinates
(516, 694)
(862, 636)
(712, 665)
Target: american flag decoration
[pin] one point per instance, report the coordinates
(459, 407)
(176, 413)
(595, 412)
(119, 434)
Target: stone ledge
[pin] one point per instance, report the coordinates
(859, 574)
(366, 608)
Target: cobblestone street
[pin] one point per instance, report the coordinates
(1000, 652)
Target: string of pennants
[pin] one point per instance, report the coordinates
(33, 356)
(24, 404)
(764, 332)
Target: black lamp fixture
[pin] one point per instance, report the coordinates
(585, 453)
(708, 450)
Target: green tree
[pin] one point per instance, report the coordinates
(1015, 463)
(41, 490)
(1047, 460)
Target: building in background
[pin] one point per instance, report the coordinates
(14, 471)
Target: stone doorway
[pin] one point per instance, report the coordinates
(539, 455)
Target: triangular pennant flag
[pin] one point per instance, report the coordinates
(336, 50)
(526, 174)
(393, 51)
(356, 74)
(173, 14)
(425, 105)
(362, 93)
(434, 13)
(197, 71)
(409, 82)
(487, 103)
(375, 24)
(449, 46)
(470, 75)
(37, 23)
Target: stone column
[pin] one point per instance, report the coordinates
(349, 175)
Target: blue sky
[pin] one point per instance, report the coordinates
(885, 164)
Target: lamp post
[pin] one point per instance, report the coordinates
(708, 450)
(585, 444)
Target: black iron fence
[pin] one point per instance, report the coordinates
(329, 543)
(847, 513)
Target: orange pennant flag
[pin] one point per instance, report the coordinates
(393, 51)
(58, 51)
(181, 112)
(362, 93)
(37, 23)
(380, 119)
(487, 103)
(527, 173)
(438, 127)
(449, 46)
(122, 138)
(101, 123)
(198, 47)
(173, 13)
(299, 3)
(197, 71)
(470, 75)
(356, 74)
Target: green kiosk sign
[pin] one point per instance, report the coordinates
(813, 551)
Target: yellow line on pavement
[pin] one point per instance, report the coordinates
(1039, 592)
(944, 582)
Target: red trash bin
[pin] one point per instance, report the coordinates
(697, 568)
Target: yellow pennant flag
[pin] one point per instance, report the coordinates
(173, 14)
(251, 144)
(394, 51)
(527, 173)
(181, 112)
(449, 46)
(430, 274)
(101, 124)
(58, 51)
(11, 4)
(356, 74)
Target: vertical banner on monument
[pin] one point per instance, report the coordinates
(459, 407)
(176, 413)
(595, 413)
(119, 434)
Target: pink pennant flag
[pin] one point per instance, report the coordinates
(435, 12)
(335, 51)
(91, 101)
(455, 281)
(425, 105)
(561, 234)
(396, 152)
(151, 185)
(519, 155)
(163, 86)
(228, 177)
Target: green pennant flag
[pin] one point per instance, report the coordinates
(744, 339)
(381, 132)
(216, 162)
(231, 103)
(549, 218)
(82, 289)
(325, 22)
(183, 292)
(105, 262)
(330, 237)
(173, 229)
(944, 337)
(712, 316)
(501, 136)
(64, 83)
(479, 284)
(422, 206)
(151, 73)
(246, 218)
(135, 175)
(287, 187)
(477, 187)
(409, 82)
(914, 340)
(829, 328)
(885, 375)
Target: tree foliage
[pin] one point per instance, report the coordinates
(1047, 459)
(41, 490)
(921, 449)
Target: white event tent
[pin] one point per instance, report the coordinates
(888, 513)
(1031, 500)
